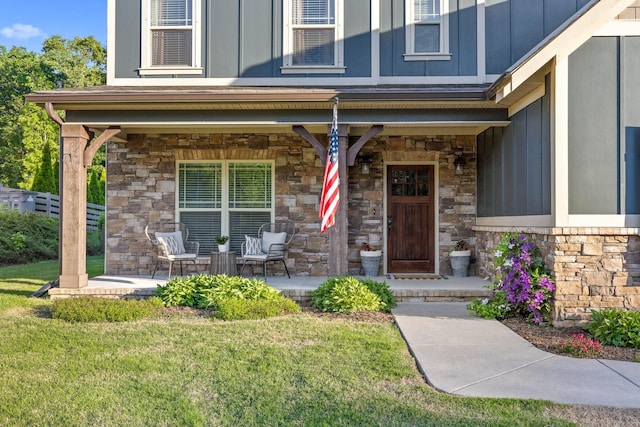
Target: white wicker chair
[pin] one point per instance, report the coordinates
(172, 244)
(274, 243)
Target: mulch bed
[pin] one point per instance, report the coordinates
(551, 339)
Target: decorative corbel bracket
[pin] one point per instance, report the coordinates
(307, 136)
(355, 148)
(94, 146)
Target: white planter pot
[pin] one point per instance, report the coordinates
(460, 262)
(223, 248)
(370, 262)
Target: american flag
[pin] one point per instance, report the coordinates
(330, 188)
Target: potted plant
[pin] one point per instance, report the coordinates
(370, 259)
(460, 257)
(222, 242)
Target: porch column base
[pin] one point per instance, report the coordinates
(74, 281)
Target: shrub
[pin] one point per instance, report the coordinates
(91, 309)
(231, 297)
(345, 295)
(27, 237)
(616, 327)
(521, 274)
(495, 307)
(581, 346)
(383, 291)
(243, 309)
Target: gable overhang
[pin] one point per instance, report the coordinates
(524, 82)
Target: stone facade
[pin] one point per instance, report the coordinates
(141, 175)
(593, 268)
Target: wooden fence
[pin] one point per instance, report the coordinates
(44, 203)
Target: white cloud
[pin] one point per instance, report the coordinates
(21, 32)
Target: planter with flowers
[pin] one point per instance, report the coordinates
(370, 259)
(223, 243)
(460, 256)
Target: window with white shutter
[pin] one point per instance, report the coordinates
(427, 34)
(224, 198)
(170, 37)
(312, 40)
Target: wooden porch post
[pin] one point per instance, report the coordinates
(73, 207)
(339, 233)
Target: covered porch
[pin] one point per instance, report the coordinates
(444, 289)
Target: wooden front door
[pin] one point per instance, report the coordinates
(410, 219)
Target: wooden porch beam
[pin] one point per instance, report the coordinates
(307, 136)
(355, 148)
(93, 147)
(339, 233)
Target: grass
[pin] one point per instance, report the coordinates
(19, 281)
(179, 368)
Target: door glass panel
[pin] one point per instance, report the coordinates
(423, 183)
(410, 186)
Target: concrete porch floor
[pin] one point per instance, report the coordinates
(298, 287)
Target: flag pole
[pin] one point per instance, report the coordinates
(330, 197)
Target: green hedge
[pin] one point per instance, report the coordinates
(616, 327)
(231, 298)
(348, 294)
(91, 309)
(28, 237)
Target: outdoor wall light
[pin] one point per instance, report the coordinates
(366, 164)
(459, 165)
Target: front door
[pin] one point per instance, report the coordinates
(410, 219)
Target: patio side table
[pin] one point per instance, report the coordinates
(223, 263)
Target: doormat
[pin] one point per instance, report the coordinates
(417, 276)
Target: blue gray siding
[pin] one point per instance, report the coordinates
(514, 164)
(462, 42)
(513, 27)
(604, 127)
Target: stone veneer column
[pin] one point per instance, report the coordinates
(73, 207)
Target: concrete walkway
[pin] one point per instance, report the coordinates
(470, 356)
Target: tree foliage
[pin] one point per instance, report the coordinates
(25, 129)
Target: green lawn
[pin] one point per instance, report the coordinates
(185, 369)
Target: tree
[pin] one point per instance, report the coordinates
(44, 181)
(25, 128)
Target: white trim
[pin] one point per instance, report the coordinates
(375, 39)
(526, 100)
(516, 221)
(560, 141)
(160, 71)
(602, 221)
(111, 42)
(436, 207)
(297, 81)
(481, 70)
(427, 56)
(312, 70)
(145, 42)
(287, 43)
(619, 27)
(410, 53)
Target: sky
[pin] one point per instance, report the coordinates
(29, 22)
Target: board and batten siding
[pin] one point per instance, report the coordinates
(514, 164)
(604, 127)
(463, 44)
(514, 27)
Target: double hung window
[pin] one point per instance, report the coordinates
(224, 198)
(426, 29)
(313, 36)
(170, 36)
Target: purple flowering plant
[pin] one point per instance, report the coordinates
(521, 274)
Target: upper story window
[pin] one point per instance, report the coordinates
(170, 37)
(312, 39)
(427, 34)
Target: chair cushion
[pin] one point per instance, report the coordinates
(269, 238)
(172, 242)
(252, 245)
